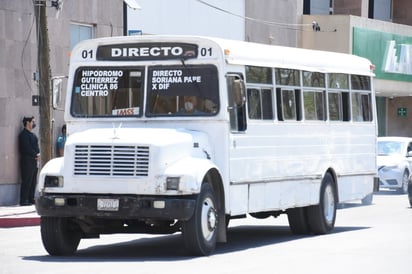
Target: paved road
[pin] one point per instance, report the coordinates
(367, 239)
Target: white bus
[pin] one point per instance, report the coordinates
(174, 134)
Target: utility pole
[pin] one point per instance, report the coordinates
(43, 58)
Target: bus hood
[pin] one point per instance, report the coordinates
(166, 145)
(152, 136)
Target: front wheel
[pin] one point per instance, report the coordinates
(199, 232)
(405, 180)
(60, 236)
(410, 193)
(321, 217)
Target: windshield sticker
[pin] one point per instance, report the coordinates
(98, 82)
(126, 111)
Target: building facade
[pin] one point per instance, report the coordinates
(382, 32)
(75, 21)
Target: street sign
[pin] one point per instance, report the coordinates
(402, 112)
(133, 32)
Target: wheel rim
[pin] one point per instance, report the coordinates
(329, 205)
(209, 219)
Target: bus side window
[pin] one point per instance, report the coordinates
(236, 102)
(346, 106)
(361, 107)
(289, 104)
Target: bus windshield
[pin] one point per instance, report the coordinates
(171, 90)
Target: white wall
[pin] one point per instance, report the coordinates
(189, 17)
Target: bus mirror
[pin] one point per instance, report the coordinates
(57, 87)
(239, 92)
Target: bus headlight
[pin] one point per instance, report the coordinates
(172, 183)
(53, 181)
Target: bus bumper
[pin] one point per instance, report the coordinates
(116, 206)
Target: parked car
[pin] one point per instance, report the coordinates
(394, 162)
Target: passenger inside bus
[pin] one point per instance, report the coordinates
(182, 105)
(190, 105)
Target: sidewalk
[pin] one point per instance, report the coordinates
(17, 216)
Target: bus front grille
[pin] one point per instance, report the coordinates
(111, 160)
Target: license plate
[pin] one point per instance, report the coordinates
(108, 204)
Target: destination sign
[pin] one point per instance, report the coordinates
(146, 51)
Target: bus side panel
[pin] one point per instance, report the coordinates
(283, 195)
(285, 162)
(239, 195)
(354, 187)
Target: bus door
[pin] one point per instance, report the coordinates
(236, 102)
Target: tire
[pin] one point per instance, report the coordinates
(405, 180)
(60, 236)
(321, 217)
(298, 222)
(410, 193)
(200, 231)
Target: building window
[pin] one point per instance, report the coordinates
(317, 6)
(380, 9)
(79, 32)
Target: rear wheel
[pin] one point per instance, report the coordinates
(410, 193)
(298, 222)
(60, 236)
(199, 232)
(321, 217)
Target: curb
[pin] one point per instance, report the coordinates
(19, 222)
(18, 216)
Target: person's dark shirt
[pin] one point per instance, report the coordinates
(28, 144)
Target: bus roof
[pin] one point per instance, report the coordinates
(255, 54)
(296, 58)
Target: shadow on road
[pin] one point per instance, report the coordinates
(170, 247)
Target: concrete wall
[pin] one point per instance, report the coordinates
(402, 12)
(352, 7)
(278, 21)
(222, 19)
(262, 21)
(334, 34)
(395, 125)
(18, 55)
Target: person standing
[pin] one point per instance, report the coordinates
(61, 140)
(29, 155)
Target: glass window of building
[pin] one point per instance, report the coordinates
(380, 9)
(80, 32)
